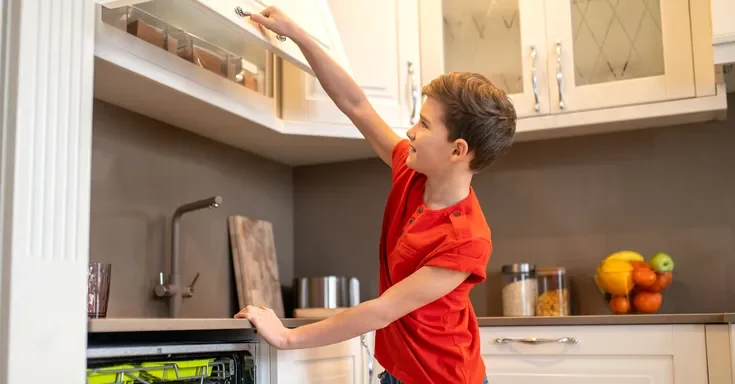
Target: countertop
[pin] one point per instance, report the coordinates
(166, 324)
(204, 324)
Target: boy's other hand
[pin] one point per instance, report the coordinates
(268, 325)
(276, 20)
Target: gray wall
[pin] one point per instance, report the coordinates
(559, 202)
(141, 171)
(566, 202)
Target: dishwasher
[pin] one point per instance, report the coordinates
(176, 357)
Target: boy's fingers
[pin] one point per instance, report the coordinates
(264, 20)
(258, 18)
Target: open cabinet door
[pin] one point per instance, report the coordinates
(220, 22)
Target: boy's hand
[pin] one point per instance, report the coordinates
(277, 21)
(268, 325)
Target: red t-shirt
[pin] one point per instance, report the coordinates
(438, 343)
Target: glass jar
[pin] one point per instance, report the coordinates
(553, 298)
(519, 289)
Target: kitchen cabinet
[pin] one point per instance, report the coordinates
(723, 30)
(201, 66)
(381, 42)
(579, 67)
(340, 363)
(614, 354)
(579, 63)
(720, 348)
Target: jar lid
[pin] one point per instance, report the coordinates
(549, 271)
(520, 267)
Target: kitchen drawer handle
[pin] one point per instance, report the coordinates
(535, 341)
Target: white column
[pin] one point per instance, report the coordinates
(46, 75)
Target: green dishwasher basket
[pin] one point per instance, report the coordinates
(187, 369)
(103, 376)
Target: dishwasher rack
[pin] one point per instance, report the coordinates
(172, 358)
(220, 371)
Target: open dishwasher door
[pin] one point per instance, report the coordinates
(173, 357)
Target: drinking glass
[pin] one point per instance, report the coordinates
(98, 290)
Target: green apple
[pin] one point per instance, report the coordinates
(661, 262)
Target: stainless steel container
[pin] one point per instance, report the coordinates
(327, 292)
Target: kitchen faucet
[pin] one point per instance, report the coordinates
(172, 290)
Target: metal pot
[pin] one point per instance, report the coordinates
(327, 292)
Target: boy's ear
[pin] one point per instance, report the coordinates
(461, 149)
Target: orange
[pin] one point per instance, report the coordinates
(647, 302)
(644, 276)
(620, 305)
(662, 281)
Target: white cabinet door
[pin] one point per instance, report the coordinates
(656, 354)
(220, 22)
(340, 363)
(505, 40)
(723, 30)
(604, 54)
(382, 47)
(719, 353)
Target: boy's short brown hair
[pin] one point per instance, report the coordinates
(476, 111)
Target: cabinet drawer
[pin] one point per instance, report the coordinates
(604, 354)
(580, 340)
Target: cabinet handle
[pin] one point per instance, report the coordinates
(558, 73)
(535, 341)
(534, 80)
(363, 341)
(414, 93)
(240, 12)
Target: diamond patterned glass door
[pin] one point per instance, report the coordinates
(608, 53)
(501, 39)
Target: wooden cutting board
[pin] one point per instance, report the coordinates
(254, 261)
(316, 313)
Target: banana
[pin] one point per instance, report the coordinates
(625, 255)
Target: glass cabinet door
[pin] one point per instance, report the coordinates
(501, 39)
(606, 53)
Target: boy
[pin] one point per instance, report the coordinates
(435, 243)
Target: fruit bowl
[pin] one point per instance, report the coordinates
(630, 284)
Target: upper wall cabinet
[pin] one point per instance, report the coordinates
(723, 30)
(222, 23)
(572, 67)
(578, 62)
(202, 66)
(383, 51)
(501, 39)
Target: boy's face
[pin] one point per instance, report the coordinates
(431, 152)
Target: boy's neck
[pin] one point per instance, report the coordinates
(442, 192)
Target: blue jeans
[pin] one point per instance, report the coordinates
(387, 378)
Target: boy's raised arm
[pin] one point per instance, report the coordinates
(341, 88)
